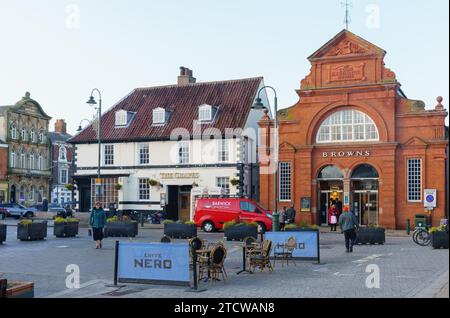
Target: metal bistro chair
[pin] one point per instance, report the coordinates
(262, 259)
(287, 252)
(195, 244)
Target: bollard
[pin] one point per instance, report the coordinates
(408, 226)
(276, 222)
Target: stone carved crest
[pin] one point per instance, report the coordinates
(346, 47)
(347, 72)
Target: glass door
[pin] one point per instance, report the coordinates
(365, 207)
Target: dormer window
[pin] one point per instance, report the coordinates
(205, 113)
(124, 118)
(159, 116)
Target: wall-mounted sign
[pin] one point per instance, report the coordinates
(153, 263)
(430, 198)
(346, 154)
(346, 198)
(305, 204)
(163, 199)
(178, 175)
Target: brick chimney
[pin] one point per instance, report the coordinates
(61, 126)
(186, 76)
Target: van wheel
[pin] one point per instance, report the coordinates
(261, 227)
(208, 227)
(29, 215)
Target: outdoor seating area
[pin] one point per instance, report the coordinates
(210, 260)
(284, 253)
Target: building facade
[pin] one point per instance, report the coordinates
(24, 127)
(355, 138)
(3, 172)
(161, 143)
(61, 157)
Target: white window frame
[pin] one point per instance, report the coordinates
(41, 136)
(23, 134)
(121, 118)
(108, 155)
(144, 189)
(13, 131)
(332, 129)
(183, 152)
(205, 113)
(62, 153)
(41, 162)
(13, 159)
(159, 116)
(31, 164)
(143, 158)
(61, 174)
(416, 179)
(285, 181)
(224, 183)
(32, 136)
(223, 150)
(22, 160)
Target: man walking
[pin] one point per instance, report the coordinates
(349, 223)
(290, 214)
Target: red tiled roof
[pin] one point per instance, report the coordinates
(234, 99)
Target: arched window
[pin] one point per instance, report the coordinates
(40, 162)
(22, 160)
(13, 131)
(31, 164)
(23, 134)
(331, 172)
(62, 153)
(31, 194)
(32, 135)
(365, 171)
(347, 126)
(41, 136)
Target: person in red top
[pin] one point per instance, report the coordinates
(333, 214)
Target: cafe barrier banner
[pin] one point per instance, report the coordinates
(153, 263)
(307, 244)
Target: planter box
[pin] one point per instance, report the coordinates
(239, 233)
(33, 232)
(439, 240)
(371, 236)
(299, 229)
(182, 231)
(3, 228)
(20, 290)
(66, 229)
(121, 229)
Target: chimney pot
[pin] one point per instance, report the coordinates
(61, 126)
(186, 76)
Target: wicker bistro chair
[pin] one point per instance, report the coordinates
(211, 263)
(286, 254)
(261, 259)
(249, 244)
(195, 244)
(165, 239)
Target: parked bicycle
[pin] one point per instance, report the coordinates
(421, 235)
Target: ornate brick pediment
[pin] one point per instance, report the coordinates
(286, 147)
(416, 141)
(346, 44)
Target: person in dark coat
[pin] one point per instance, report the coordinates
(98, 222)
(290, 215)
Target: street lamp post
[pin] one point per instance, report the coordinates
(93, 103)
(259, 105)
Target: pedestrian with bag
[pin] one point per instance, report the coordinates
(333, 215)
(349, 224)
(98, 222)
(290, 215)
(283, 216)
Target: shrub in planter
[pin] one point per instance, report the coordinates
(371, 235)
(302, 227)
(3, 229)
(28, 230)
(239, 231)
(66, 227)
(116, 227)
(180, 229)
(439, 237)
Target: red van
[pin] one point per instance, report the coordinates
(212, 213)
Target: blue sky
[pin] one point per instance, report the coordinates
(58, 55)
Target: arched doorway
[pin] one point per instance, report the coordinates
(331, 191)
(365, 185)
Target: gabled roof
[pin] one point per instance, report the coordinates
(359, 46)
(19, 105)
(55, 136)
(234, 99)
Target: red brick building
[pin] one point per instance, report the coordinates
(356, 139)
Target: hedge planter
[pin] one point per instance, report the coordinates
(181, 231)
(20, 290)
(35, 231)
(121, 229)
(239, 233)
(371, 236)
(439, 240)
(3, 228)
(61, 230)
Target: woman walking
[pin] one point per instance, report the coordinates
(97, 222)
(333, 213)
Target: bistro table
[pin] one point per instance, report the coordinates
(246, 247)
(205, 253)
